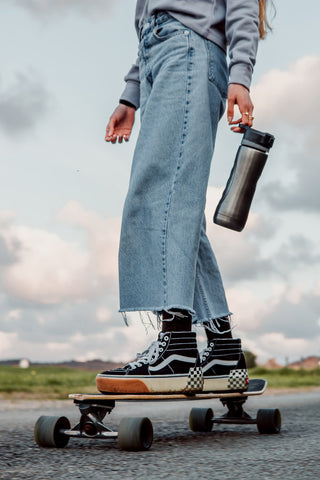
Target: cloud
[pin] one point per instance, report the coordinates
(289, 104)
(114, 342)
(290, 96)
(102, 236)
(295, 316)
(23, 104)
(239, 255)
(47, 9)
(281, 322)
(242, 256)
(298, 251)
(284, 349)
(60, 299)
(5, 256)
(302, 193)
(49, 270)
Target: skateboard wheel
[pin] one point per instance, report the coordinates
(269, 421)
(47, 432)
(200, 419)
(135, 433)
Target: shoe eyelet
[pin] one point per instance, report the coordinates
(166, 338)
(161, 349)
(163, 344)
(211, 344)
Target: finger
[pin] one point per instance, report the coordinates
(120, 139)
(235, 121)
(110, 129)
(246, 109)
(237, 129)
(245, 117)
(230, 112)
(125, 134)
(251, 117)
(109, 135)
(114, 139)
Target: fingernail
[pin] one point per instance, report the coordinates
(229, 119)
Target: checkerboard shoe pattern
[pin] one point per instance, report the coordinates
(238, 379)
(163, 368)
(224, 366)
(195, 380)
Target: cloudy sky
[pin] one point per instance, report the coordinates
(62, 187)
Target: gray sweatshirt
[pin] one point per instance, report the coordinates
(228, 23)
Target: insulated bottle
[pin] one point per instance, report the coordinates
(233, 209)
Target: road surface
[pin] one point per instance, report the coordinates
(226, 453)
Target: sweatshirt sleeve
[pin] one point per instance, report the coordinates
(242, 32)
(131, 92)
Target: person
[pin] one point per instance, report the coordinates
(181, 82)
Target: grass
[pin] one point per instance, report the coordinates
(45, 381)
(56, 382)
(287, 377)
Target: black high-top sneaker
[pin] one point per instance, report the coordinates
(170, 365)
(224, 366)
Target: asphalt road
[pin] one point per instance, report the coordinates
(228, 452)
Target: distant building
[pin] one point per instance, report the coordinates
(272, 364)
(308, 363)
(24, 363)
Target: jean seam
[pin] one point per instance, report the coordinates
(204, 298)
(178, 165)
(169, 35)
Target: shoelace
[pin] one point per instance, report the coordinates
(212, 326)
(206, 352)
(150, 355)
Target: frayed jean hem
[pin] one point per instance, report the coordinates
(146, 319)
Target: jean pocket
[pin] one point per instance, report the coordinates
(169, 29)
(217, 68)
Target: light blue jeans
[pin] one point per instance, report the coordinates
(165, 259)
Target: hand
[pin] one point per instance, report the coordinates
(239, 95)
(120, 124)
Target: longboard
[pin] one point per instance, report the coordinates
(136, 433)
(257, 386)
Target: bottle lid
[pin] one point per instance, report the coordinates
(256, 139)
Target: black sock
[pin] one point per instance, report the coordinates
(176, 321)
(218, 328)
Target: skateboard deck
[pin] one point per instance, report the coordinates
(257, 386)
(136, 433)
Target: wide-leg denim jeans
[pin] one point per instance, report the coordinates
(165, 259)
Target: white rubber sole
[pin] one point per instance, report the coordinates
(237, 380)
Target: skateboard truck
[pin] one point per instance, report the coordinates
(91, 420)
(235, 408)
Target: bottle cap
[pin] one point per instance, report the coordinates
(256, 139)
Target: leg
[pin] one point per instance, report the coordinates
(209, 299)
(163, 213)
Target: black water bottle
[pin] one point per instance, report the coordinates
(233, 209)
